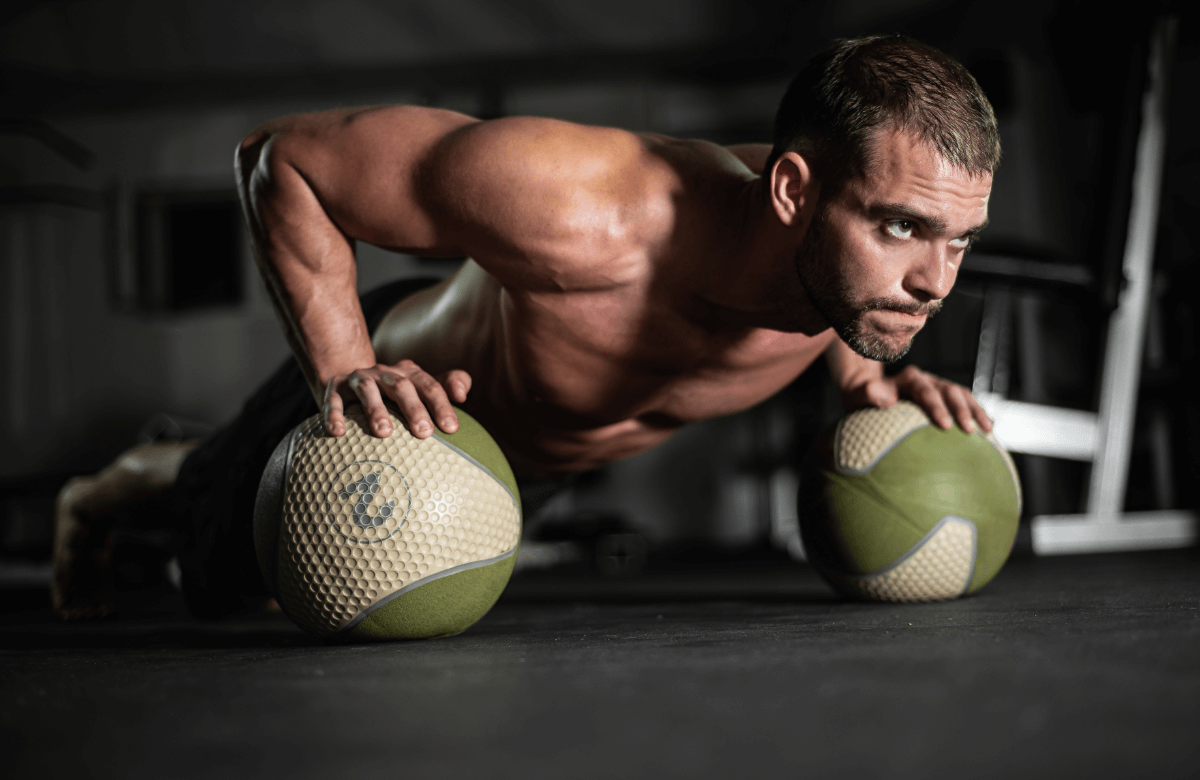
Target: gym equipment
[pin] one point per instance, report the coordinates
(892, 508)
(1104, 437)
(363, 538)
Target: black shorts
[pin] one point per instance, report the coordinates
(218, 481)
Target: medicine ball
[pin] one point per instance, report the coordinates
(893, 508)
(364, 538)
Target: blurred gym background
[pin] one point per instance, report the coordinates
(131, 308)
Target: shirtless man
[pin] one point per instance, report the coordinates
(620, 285)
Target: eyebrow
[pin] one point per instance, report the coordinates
(890, 211)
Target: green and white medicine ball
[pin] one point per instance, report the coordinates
(363, 538)
(893, 508)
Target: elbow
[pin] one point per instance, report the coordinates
(250, 152)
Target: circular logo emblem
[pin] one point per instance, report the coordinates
(368, 501)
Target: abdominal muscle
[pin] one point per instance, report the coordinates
(558, 392)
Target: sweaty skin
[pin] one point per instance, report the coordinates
(620, 286)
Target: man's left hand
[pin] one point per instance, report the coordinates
(945, 402)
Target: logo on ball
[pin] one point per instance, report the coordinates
(351, 505)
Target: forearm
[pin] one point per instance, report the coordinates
(850, 371)
(307, 264)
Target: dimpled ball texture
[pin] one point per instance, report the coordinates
(361, 538)
(893, 508)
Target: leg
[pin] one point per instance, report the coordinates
(82, 585)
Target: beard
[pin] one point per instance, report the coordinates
(831, 293)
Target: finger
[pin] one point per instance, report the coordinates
(376, 413)
(979, 413)
(436, 401)
(333, 412)
(956, 398)
(934, 405)
(401, 390)
(457, 384)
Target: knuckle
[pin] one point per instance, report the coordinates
(399, 383)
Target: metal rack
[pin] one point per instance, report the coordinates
(1105, 437)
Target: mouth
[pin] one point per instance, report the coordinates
(905, 315)
(889, 320)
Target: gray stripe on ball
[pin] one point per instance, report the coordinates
(837, 447)
(485, 470)
(921, 543)
(424, 581)
(268, 509)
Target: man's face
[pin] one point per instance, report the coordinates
(883, 252)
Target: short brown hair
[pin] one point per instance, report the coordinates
(833, 108)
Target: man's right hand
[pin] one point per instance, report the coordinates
(420, 397)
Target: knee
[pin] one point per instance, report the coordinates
(153, 465)
(74, 493)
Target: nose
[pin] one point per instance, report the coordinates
(932, 276)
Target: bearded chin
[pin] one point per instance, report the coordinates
(830, 294)
(870, 345)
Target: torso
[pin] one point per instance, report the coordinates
(580, 369)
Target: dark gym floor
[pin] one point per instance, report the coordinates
(1063, 667)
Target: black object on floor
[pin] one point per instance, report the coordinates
(1064, 667)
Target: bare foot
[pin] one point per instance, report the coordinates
(82, 587)
(83, 582)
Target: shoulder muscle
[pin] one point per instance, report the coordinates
(544, 196)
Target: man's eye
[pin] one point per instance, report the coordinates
(900, 228)
(961, 243)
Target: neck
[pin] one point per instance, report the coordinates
(753, 283)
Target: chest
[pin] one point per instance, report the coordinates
(601, 357)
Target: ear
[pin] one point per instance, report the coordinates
(793, 189)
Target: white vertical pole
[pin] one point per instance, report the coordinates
(1126, 327)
